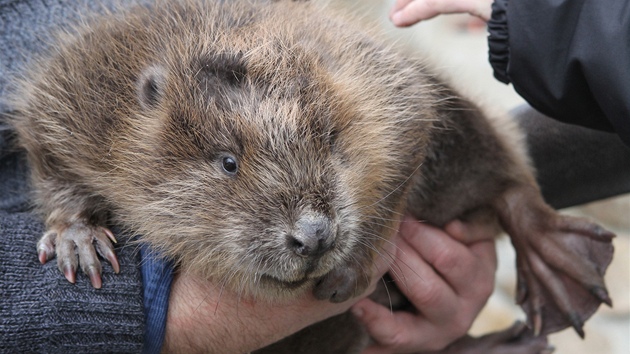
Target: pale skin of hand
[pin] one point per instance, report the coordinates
(202, 319)
(408, 12)
(447, 275)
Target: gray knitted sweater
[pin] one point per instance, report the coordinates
(39, 310)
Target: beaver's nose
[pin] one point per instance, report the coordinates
(312, 236)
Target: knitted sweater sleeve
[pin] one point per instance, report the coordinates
(40, 311)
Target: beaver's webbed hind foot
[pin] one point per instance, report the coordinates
(561, 261)
(517, 339)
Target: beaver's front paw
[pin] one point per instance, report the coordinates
(75, 241)
(341, 284)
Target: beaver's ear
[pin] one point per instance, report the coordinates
(221, 70)
(221, 77)
(150, 86)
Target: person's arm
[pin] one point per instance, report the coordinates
(40, 312)
(575, 165)
(567, 59)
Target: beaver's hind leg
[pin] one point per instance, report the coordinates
(475, 163)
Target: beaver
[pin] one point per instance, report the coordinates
(271, 147)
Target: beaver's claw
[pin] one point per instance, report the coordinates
(78, 242)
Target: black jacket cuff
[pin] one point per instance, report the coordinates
(499, 51)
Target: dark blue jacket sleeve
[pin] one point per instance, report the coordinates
(157, 276)
(570, 59)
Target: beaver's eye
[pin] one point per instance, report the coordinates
(229, 164)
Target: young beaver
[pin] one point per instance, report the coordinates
(270, 147)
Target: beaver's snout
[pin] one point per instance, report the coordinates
(313, 236)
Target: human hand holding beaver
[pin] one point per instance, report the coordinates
(446, 274)
(447, 281)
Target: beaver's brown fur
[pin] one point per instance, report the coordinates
(271, 147)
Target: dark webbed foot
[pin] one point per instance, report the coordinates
(77, 243)
(569, 259)
(561, 262)
(514, 340)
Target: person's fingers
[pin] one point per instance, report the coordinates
(451, 259)
(430, 294)
(481, 9)
(487, 254)
(400, 331)
(408, 13)
(464, 275)
(471, 232)
(385, 327)
(480, 240)
(399, 5)
(416, 11)
(442, 314)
